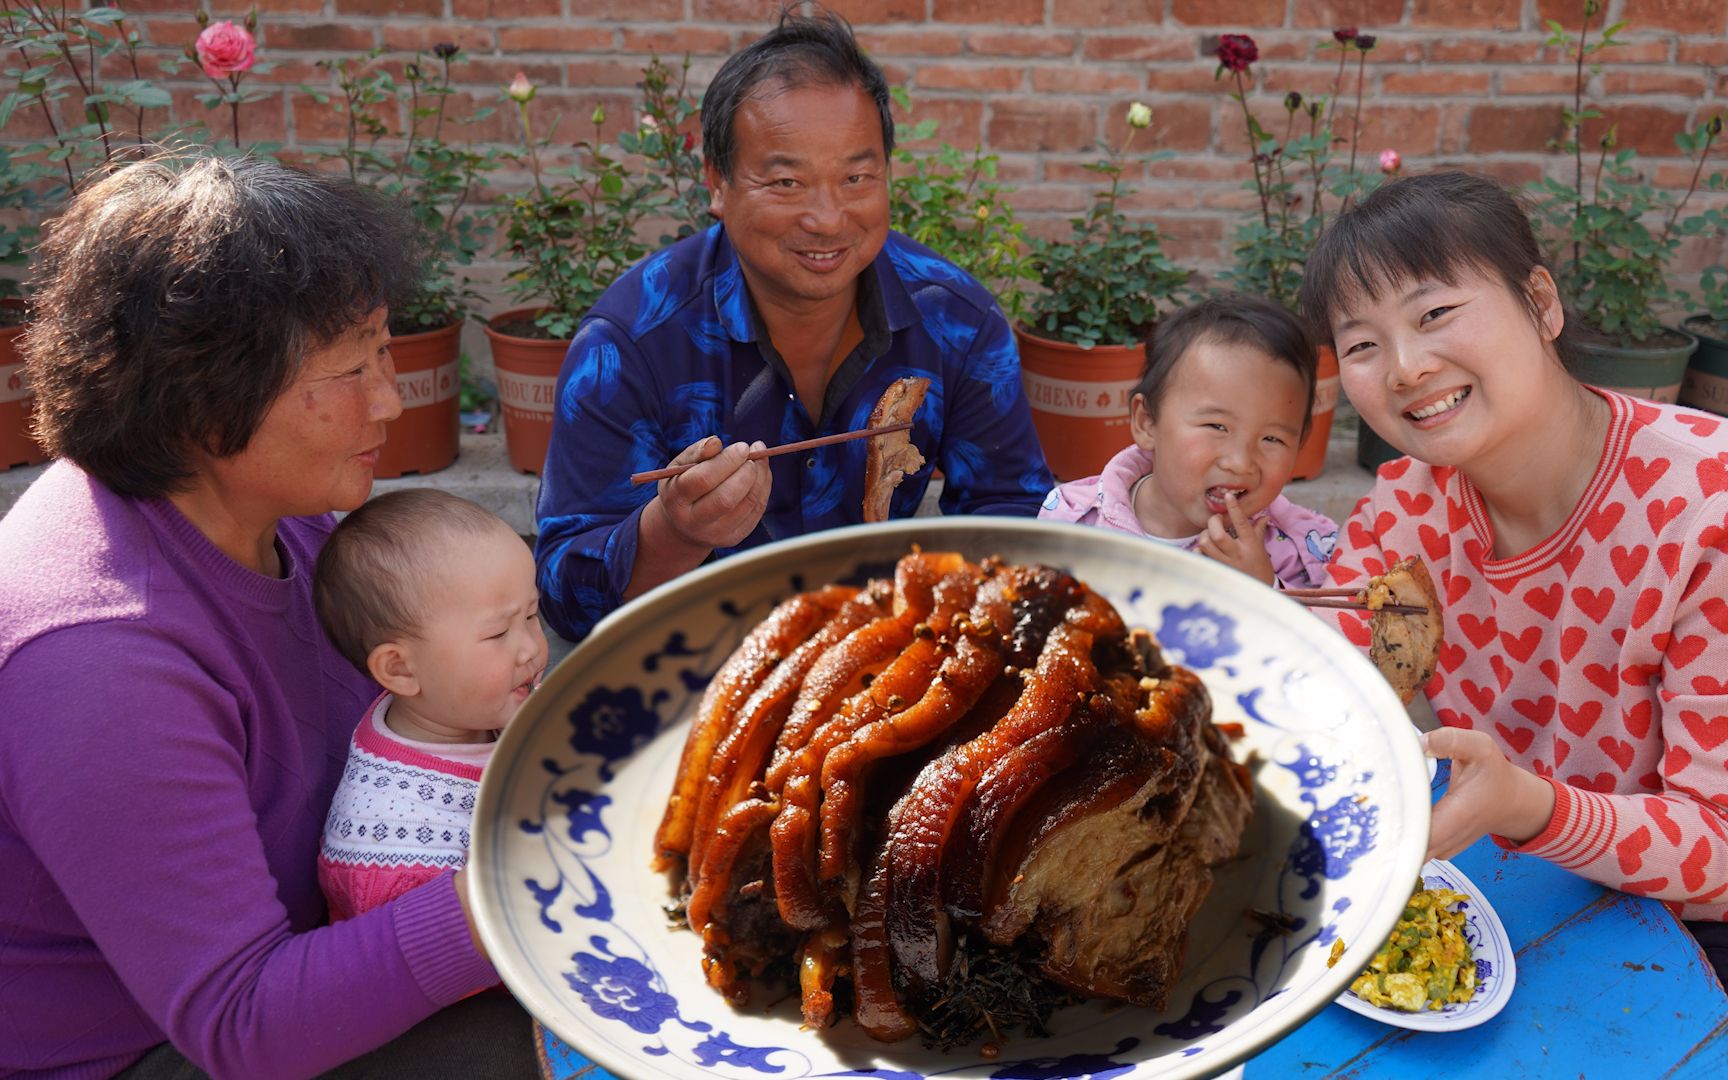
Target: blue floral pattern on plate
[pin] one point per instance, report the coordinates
(574, 917)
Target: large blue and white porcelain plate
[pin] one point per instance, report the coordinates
(575, 920)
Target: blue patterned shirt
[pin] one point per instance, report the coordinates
(675, 351)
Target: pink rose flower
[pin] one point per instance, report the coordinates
(224, 49)
(1390, 162)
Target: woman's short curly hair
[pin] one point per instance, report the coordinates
(177, 298)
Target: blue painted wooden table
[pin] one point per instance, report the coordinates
(1609, 985)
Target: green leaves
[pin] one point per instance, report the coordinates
(1612, 235)
(1105, 285)
(949, 200)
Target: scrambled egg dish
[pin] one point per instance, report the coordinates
(1426, 963)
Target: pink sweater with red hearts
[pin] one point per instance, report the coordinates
(1597, 659)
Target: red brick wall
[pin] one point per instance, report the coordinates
(1465, 82)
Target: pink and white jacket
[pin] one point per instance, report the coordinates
(400, 817)
(1299, 540)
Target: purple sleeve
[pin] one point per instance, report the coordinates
(130, 785)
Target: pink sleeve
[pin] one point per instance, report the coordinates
(1071, 501)
(1671, 845)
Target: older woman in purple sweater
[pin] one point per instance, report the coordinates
(211, 361)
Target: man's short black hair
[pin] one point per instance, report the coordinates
(178, 297)
(817, 49)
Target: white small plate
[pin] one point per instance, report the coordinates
(1496, 967)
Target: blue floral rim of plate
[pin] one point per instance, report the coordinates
(575, 922)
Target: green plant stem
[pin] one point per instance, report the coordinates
(48, 114)
(132, 59)
(443, 100)
(351, 91)
(1697, 171)
(234, 107)
(1315, 213)
(1356, 116)
(413, 127)
(1241, 96)
(533, 154)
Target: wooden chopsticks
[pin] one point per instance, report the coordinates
(1346, 599)
(775, 451)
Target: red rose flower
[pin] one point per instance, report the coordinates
(1237, 51)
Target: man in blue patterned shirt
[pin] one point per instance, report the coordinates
(784, 322)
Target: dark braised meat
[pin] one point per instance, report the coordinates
(974, 770)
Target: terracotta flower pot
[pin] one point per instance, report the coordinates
(1311, 455)
(1079, 400)
(1706, 381)
(427, 436)
(16, 446)
(527, 388)
(1653, 371)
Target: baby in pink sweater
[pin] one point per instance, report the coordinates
(1216, 418)
(434, 597)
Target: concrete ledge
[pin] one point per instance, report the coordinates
(482, 474)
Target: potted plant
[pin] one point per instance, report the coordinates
(1083, 344)
(1294, 175)
(58, 50)
(438, 180)
(1705, 385)
(573, 233)
(666, 143)
(1615, 236)
(950, 201)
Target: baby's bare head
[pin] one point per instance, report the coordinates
(387, 562)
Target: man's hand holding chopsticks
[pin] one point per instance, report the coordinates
(715, 503)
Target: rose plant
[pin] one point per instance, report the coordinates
(437, 178)
(225, 53)
(574, 231)
(1103, 285)
(665, 140)
(1294, 173)
(65, 52)
(1615, 235)
(950, 200)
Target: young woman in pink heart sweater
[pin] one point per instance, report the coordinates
(1578, 538)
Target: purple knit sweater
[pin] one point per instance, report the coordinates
(172, 727)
